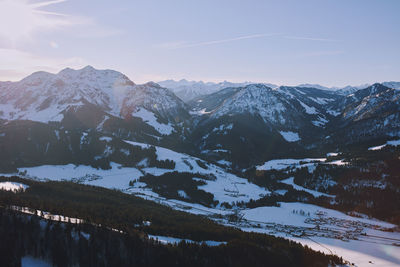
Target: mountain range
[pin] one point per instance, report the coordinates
(244, 124)
(233, 152)
(188, 90)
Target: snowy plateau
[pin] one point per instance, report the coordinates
(305, 147)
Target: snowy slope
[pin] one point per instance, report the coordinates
(226, 188)
(290, 181)
(286, 108)
(290, 136)
(254, 99)
(150, 118)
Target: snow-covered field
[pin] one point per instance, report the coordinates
(357, 240)
(291, 164)
(296, 213)
(116, 178)
(361, 253)
(281, 164)
(227, 187)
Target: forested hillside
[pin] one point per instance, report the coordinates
(94, 242)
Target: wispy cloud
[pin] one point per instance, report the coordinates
(178, 45)
(185, 44)
(47, 3)
(311, 39)
(321, 53)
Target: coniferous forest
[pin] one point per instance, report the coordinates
(114, 233)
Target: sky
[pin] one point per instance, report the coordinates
(286, 42)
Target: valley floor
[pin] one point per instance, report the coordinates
(359, 240)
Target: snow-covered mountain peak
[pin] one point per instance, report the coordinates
(256, 99)
(94, 76)
(52, 94)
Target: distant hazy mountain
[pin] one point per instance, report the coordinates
(317, 86)
(350, 89)
(191, 90)
(188, 90)
(342, 90)
(394, 85)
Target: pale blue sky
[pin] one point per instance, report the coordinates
(331, 42)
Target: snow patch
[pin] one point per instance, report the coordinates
(105, 138)
(281, 164)
(226, 188)
(320, 122)
(309, 110)
(333, 112)
(149, 118)
(183, 194)
(13, 186)
(290, 181)
(388, 143)
(290, 136)
(332, 154)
